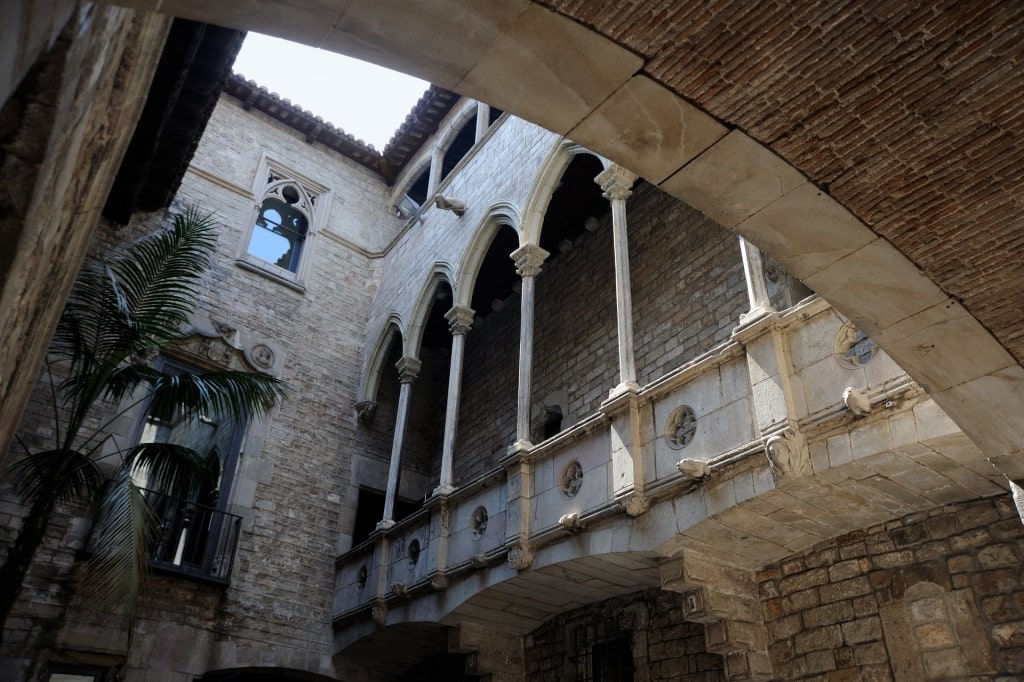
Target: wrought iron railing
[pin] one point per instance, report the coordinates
(194, 540)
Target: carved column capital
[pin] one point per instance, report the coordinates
(460, 319)
(616, 182)
(408, 369)
(528, 259)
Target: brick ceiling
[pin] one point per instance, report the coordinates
(909, 114)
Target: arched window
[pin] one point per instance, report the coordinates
(280, 231)
(289, 210)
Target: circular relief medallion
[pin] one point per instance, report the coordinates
(262, 356)
(414, 552)
(571, 479)
(362, 576)
(681, 427)
(853, 348)
(478, 522)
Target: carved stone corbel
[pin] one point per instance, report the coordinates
(521, 557)
(379, 613)
(635, 504)
(787, 454)
(366, 410)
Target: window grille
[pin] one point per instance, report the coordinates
(603, 659)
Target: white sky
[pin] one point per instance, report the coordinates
(366, 101)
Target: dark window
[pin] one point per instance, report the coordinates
(607, 660)
(197, 536)
(370, 510)
(552, 421)
(280, 231)
(418, 191)
(459, 147)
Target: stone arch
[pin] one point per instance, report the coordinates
(371, 376)
(440, 273)
(498, 215)
(557, 160)
(262, 674)
(466, 110)
(409, 177)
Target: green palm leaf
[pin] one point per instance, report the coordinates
(172, 469)
(225, 394)
(124, 534)
(67, 475)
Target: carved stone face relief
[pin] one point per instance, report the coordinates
(478, 522)
(262, 356)
(680, 427)
(571, 479)
(853, 348)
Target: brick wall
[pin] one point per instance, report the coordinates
(935, 595)
(663, 646)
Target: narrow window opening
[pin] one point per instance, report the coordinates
(459, 147)
(370, 510)
(609, 660)
(552, 421)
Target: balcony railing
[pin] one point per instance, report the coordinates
(194, 540)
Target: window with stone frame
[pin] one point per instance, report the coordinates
(196, 536)
(603, 659)
(288, 212)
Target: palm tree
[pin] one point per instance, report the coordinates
(118, 313)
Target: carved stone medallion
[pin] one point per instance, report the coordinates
(853, 348)
(571, 479)
(478, 522)
(680, 427)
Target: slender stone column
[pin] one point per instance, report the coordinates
(408, 369)
(528, 260)
(436, 166)
(616, 182)
(757, 287)
(483, 119)
(460, 319)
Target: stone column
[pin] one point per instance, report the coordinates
(757, 287)
(616, 182)
(483, 117)
(528, 260)
(460, 319)
(408, 369)
(436, 166)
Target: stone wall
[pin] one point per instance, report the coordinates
(663, 646)
(294, 466)
(932, 596)
(63, 131)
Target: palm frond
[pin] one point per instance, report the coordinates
(174, 470)
(230, 394)
(158, 276)
(68, 475)
(137, 300)
(124, 535)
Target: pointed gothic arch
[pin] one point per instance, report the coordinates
(499, 215)
(544, 185)
(440, 274)
(375, 365)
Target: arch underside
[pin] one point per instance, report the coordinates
(831, 142)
